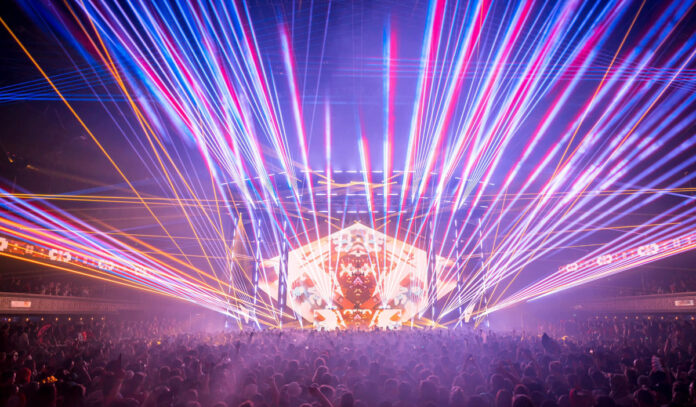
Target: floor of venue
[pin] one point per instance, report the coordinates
(583, 362)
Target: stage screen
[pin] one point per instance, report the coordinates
(356, 277)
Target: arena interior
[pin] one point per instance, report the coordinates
(348, 203)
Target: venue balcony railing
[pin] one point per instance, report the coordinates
(21, 303)
(655, 303)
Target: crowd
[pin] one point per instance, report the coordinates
(36, 286)
(646, 282)
(584, 363)
(677, 282)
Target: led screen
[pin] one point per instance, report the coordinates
(356, 277)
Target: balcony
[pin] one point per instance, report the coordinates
(19, 303)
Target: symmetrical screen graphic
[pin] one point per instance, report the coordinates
(357, 276)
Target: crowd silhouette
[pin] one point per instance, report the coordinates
(154, 363)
